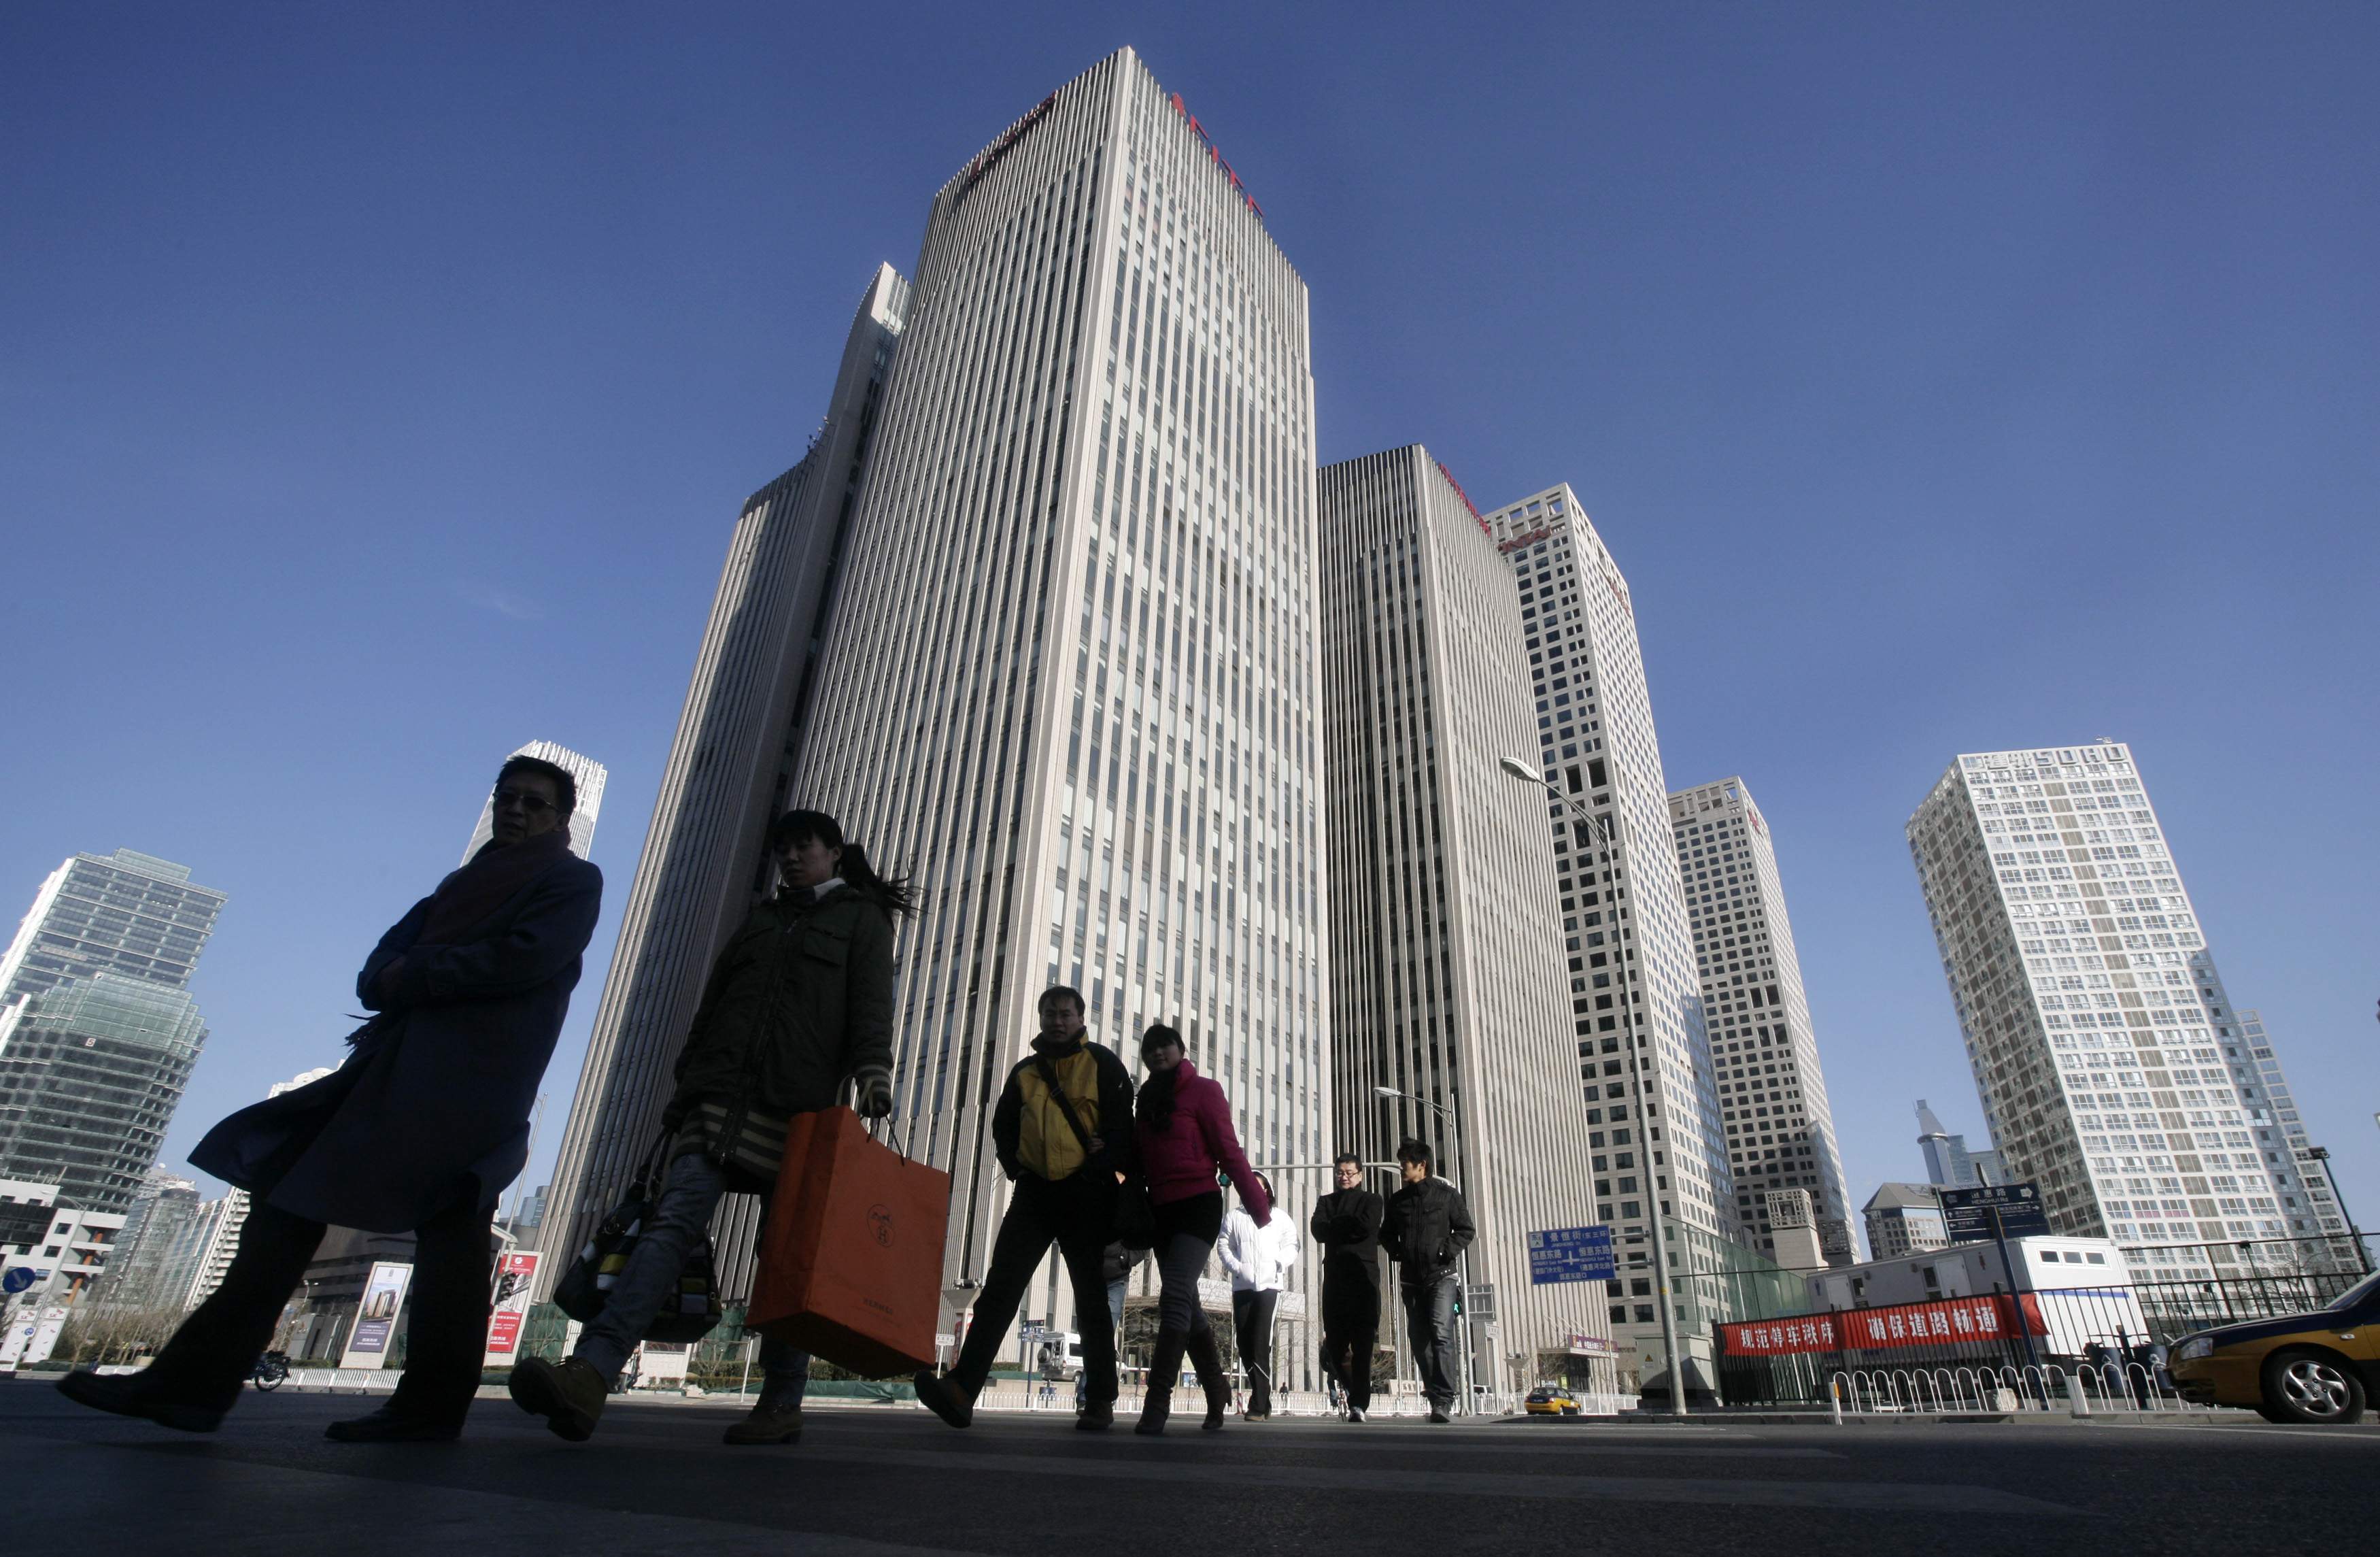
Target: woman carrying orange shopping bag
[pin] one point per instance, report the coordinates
(799, 1004)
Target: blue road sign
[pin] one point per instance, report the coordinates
(1967, 1213)
(1572, 1254)
(18, 1279)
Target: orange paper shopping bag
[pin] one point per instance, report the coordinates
(851, 1260)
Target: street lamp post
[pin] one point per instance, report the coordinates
(1655, 1220)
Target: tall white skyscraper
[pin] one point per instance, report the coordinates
(1636, 1000)
(2070, 945)
(587, 773)
(730, 768)
(1772, 1097)
(1073, 677)
(1446, 942)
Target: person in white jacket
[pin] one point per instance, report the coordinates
(1257, 1257)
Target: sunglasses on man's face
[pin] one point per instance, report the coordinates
(536, 805)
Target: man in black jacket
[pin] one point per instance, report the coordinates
(1063, 1128)
(1426, 1230)
(1347, 1224)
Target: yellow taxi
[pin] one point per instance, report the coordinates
(2317, 1367)
(1550, 1400)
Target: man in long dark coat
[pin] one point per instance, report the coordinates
(420, 1131)
(1347, 1224)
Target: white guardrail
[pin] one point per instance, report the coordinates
(2086, 1392)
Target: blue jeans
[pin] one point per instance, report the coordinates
(651, 1279)
(1429, 1321)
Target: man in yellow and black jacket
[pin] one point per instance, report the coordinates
(1065, 1170)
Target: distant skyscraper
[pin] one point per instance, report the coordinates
(1635, 996)
(90, 1071)
(1445, 943)
(1948, 1163)
(156, 1225)
(585, 771)
(2299, 1171)
(97, 1037)
(705, 860)
(2069, 944)
(1904, 1218)
(1071, 680)
(1780, 1132)
(128, 914)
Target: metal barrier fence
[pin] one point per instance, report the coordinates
(2078, 1350)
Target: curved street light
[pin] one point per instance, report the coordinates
(1654, 1219)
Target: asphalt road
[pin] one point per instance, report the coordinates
(892, 1482)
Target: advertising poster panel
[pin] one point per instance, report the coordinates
(375, 1330)
(515, 1275)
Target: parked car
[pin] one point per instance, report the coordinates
(1550, 1400)
(2317, 1367)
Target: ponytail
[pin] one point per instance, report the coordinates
(896, 895)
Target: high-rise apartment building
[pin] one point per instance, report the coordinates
(1073, 679)
(1948, 1163)
(705, 859)
(589, 775)
(1772, 1097)
(128, 914)
(2259, 1070)
(2298, 1169)
(90, 1071)
(2070, 945)
(1636, 994)
(1446, 942)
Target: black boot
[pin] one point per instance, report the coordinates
(1207, 1358)
(1164, 1368)
(142, 1395)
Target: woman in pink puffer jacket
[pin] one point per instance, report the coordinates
(1182, 1130)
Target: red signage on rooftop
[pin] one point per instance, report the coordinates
(1213, 150)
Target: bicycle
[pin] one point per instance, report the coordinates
(272, 1370)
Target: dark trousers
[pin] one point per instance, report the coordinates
(446, 1337)
(1351, 1334)
(1186, 1230)
(1429, 1321)
(1079, 1215)
(1252, 1326)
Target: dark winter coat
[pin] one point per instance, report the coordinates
(1029, 1131)
(1425, 1228)
(432, 1107)
(1346, 1222)
(800, 1001)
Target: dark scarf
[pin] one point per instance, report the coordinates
(498, 871)
(1050, 1046)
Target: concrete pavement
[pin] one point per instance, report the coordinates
(892, 1482)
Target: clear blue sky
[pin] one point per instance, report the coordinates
(378, 386)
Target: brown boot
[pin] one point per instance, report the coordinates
(1207, 1358)
(1164, 1369)
(946, 1396)
(769, 1423)
(569, 1395)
